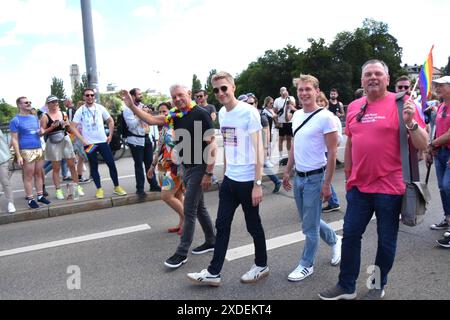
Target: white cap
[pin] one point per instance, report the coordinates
(443, 80)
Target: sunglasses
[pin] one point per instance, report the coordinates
(89, 95)
(361, 113)
(222, 88)
(444, 112)
(252, 103)
(199, 97)
(27, 102)
(403, 87)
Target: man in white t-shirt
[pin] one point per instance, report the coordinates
(241, 129)
(314, 173)
(283, 110)
(90, 118)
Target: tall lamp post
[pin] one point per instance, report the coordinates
(89, 47)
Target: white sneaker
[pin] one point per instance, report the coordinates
(11, 207)
(204, 277)
(300, 273)
(254, 274)
(336, 257)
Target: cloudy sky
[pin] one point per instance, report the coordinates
(154, 43)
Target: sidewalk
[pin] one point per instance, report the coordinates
(125, 168)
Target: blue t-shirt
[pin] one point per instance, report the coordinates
(27, 128)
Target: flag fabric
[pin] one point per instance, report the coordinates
(425, 79)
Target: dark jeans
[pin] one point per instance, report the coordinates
(443, 178)
(107, 155)
(360, 208)
(194, 207)
(231, 195)
(143, 154)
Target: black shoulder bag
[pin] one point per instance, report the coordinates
(307, 119)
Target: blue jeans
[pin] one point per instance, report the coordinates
(271, 174)
(64, 170)
(360, 209)
(309, 204)
(107, 155)
(232, 194)
(443, 178)
(334, 199)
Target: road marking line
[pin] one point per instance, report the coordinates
(89, 237)
(278, 242)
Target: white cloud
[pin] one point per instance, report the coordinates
(145, 12)
(195, 36)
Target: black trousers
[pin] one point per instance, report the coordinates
(143, 155)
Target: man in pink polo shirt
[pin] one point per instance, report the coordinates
(373, 170)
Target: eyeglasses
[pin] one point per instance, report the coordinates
(361, 113)
(89, 95)
(222, 88)
(403, 87)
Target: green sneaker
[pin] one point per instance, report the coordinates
(59, 194)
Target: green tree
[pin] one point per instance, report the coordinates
(209, 90)
(7, 112)
(371, 41)
(270, 72)
(57, 89)
(112, 102)
(447, 68)
(153, 100)
(77, 94)
(196, 85)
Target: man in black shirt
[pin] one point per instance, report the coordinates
(196, 151)
(336, 107)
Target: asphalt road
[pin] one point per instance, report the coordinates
(130, 266)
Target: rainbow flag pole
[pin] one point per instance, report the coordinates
(425, 78)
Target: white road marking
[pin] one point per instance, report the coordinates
(89, 237)
(278, 242)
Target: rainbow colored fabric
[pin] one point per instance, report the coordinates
(425, 79)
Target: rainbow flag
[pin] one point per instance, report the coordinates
(425, 79)
(90, 148)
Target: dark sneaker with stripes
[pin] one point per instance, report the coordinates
(445, 241)
(33, 204)
(440, 226)
(175, 261)
(204, 277)
(43, 200)
(330, 208)
(204, 248)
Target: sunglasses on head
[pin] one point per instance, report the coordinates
(222, 88)
(403, 87)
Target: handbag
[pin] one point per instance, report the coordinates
(417, 196)
(56, 137)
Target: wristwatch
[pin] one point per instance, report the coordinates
(414, 126)
(209, 174)
(258, 182)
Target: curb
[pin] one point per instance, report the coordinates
(70, 207)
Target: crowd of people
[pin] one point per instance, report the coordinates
(180, 164)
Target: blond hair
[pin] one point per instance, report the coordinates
(323, 97)
(222, 75)
(307, 78)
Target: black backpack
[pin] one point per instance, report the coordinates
(122, 128)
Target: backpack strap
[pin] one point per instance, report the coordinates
(307, 119)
